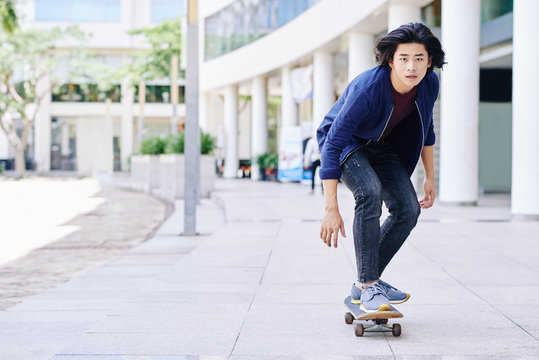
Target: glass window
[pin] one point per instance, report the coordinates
(491, 9)
(51, 10)
(245, 21)
(78, 10)
(168, 9)
(432, 14)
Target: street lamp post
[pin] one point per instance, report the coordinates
(192, 132)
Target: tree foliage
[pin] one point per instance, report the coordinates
(26, 58)
(164, 41)
(8, 16)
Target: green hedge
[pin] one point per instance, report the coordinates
(153, 146)
(175, 144)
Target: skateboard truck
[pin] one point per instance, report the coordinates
(378, 325)
(379, 319)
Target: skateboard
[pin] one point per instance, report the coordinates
(379, 319)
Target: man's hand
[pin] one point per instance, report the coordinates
(430, 194)
(331, 224)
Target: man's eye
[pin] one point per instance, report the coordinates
(419, 59)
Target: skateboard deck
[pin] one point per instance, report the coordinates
(379, 319)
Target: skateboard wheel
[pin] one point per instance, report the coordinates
(359, 329)
(348, 318)
(396, 330)
(384, 321)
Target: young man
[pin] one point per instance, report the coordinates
(372, 139)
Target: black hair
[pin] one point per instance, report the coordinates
(410, 33)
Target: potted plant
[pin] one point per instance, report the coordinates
(261, 162)
(172, 166)
(272, 164)
(268, 163)
(145, 166)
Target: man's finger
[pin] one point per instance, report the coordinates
(342, 230)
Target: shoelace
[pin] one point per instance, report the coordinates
(373, 290)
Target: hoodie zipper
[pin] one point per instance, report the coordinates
(422, 127)
(387, 122)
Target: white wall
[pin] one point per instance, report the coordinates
(323, 22)
(74, 109)
(105, 35)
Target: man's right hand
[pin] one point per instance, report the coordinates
(331, 224)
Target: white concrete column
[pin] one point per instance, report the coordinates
(204, 102)
(289, 108)
(259, 127)
(42, 126)
(323, 96)
(525, 171)
(360, 54)
(399, 14)
(460, 103)
(126, 148)
(231, 132)
(140, 120)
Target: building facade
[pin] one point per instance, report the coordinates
(485, 126)
(266, 65)
(81, 128)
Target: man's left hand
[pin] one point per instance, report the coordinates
(430, 194)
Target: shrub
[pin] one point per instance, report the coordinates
(272, 161)
(207, 143)
(175, 144)
(268, 160)
(153, 146)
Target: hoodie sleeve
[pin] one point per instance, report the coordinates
(337, 129)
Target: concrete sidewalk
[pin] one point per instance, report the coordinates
(259, 284)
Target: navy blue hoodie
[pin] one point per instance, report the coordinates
(361, 114)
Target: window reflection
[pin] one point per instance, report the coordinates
(245, 21)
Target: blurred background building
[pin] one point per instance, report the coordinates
(271, 69)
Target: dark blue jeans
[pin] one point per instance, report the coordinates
(375, 174)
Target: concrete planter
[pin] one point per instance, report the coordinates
(172, 178)
(145, 172)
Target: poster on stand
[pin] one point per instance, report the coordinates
(290, 154)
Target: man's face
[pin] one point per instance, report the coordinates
(409, 66)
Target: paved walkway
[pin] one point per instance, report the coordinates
(55, 228)
(260, 285)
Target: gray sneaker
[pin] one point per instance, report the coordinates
(373, 298)
(394, 295)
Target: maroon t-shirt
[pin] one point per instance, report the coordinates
(403, 105)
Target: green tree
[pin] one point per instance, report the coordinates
(164, 40)
(153, 63)
(26, 58)
(8, 16)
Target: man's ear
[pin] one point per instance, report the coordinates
(430, 60)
